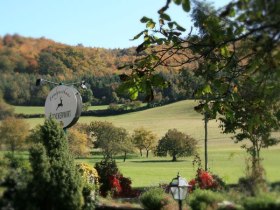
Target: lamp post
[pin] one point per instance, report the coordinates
(179, 189)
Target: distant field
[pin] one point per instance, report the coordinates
(29, 110)
(228, 164)
(40, 109)
(225, 157)
(180, 115)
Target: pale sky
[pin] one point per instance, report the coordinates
(93, 23)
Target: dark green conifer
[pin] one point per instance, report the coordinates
(56, 183)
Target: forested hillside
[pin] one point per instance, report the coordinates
(23, 60)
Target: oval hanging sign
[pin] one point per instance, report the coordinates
(64, 104)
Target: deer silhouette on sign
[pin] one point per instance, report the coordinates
(60, 104)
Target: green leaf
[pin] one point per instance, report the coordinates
(160, 41)
(207, 89)
(229, 115)
(242, 17)
(178, 27)
(150, 24)
(175, 38)
(141, 47)
(145, 19)
(165, 16)
(225, 52)
(170, 25)
(158, 81)
(186, 5)
(138, 35)
(152, 58)
(178, 2)
(146, 38)
(239, 30)
(199, 108)
(232, 12)
(133, 93)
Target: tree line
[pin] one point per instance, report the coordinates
(23, 60)
(104, 136)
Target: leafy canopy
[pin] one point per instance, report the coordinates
(112, 140)
(176, 144)
(144, 139)
(13, 133)
(236, 52)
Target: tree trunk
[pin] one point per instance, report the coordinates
(124, 158)
(13, 149)
(174, 158)
(254, 156)
(141, 152)
(205, 141)
(147, 154)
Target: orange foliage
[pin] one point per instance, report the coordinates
(78, 60)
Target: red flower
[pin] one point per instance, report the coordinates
(192, 183)
(115, 184)
(206, 179)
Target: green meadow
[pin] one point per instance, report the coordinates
(40, 109)
(226, 158)
(228, 164)
(29, 109)
(180, 115)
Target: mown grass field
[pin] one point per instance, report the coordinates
(226, 158)
(40, 109)
(179, 115)
(228, 164)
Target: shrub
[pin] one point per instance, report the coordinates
(254, 181)
(106, 168)
(15, 173)
(112, 180)
(114, 107)
(275, 187)
(226, 205)
(90, 184)
(5, 109)
(115, 185)
(263, 202)
(206, 180)
(205, 199)
(4, 168)
(154, 199)
(126, 187)
(252, 185)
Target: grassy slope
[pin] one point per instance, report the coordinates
(40, 109)
(29, 109)
(228, 164)
(178, 115)
(225, 157)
